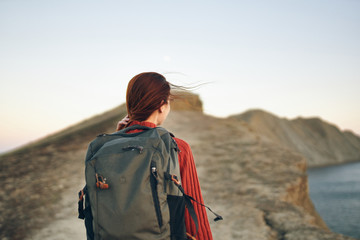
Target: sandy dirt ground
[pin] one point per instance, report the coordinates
(238, 181)
(65, 224)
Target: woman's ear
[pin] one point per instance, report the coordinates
(161, 109)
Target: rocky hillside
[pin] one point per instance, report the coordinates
(320, 142)
(35, 178)
(259, 187)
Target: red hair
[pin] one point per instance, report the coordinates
(146, 92)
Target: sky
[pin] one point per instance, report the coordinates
(64, 61)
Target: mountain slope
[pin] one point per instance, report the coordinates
(320, 142)
(35, 176)
(260, 188)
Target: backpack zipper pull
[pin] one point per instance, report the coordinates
(154, 170)
(132, 148)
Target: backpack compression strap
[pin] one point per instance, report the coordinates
(81, 204)
(175, 180)
(188, 203)
(85, 214)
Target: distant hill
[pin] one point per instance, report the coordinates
(235, 164)
(320, 142)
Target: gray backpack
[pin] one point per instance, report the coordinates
(133, 187)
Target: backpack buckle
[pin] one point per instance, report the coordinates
(81, 195)
(175, 180)
(101, 182)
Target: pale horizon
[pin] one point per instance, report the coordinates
(24, 143)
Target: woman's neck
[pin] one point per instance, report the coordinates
(153, 118)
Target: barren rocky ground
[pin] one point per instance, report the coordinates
(258, 187)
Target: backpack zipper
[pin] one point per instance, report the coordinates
(154, 183)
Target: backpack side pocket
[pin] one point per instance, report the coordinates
(177, 217)
(85, 213)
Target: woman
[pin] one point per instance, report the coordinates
(148, 104)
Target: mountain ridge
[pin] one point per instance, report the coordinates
(235, 165)
(322, 143)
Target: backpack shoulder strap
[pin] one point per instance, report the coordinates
(133, 127)
(167, 136)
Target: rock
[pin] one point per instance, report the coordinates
(321, 143)
(258, 186)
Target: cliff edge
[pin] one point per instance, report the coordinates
(321, 143)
